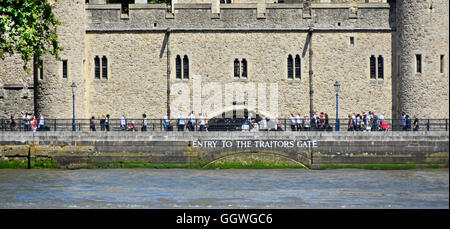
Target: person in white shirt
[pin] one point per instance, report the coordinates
(245, 127)
(298, 121)
(381, 117)
(41, 122)
(166, 123)
(181, 123)
(306, 122)
(123, 122)
(293, 122)
(263, 123)
(144, 122)
(202, 122)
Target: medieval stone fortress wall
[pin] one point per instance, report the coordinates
(389, 56)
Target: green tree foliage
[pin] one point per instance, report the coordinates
(28, 27)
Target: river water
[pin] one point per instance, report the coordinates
(186, 188)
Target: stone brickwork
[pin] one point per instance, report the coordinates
(16, 88)
(345, 34)
(309, 148)
(422, 28)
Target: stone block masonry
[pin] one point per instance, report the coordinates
(197, 149)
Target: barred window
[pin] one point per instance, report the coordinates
(290, 67)
(178, 67)
(236, 68)
(64, 69)
(185, 67)
(97, 67)
(372, 67)
(298, 72)
(244, 68)
(104, 67)
(380, 67)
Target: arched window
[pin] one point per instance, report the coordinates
(185, 67)
(104, 67)
(97, 67)
(380, 67)
(372, 67)
(178, 67)
(298, 72)
(236, 68)
(244, 68)
(290, 67)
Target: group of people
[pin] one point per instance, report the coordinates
(356, 122)
(190, 122)
(367, 122)
(30, 122)
(316, 122)
(406, 122)
(373, 122)
(251, 124)
(105, 123)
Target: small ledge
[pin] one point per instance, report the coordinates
(13, 86)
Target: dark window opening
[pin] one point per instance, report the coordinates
(298, 72)
(104, 67)
(442, 63)
(185, 67)
(64, 69)
(244, 68)
(419, 63)
(352, 40)
(290, 67)
(125, 7)
(236, 68)
(178, 67)
(97, 67)
(380, 67)
(372, 67)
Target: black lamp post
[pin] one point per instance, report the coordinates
(74, 85)
(337, 86)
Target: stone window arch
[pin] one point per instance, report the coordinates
(298, 69)
(373, 67)
(380, 67)
(97, 67)
(290, 67)
(104, 67)
(236, 68)
(185, 67)
(244, 67)
(178, 67)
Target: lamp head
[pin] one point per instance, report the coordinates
(337, 86)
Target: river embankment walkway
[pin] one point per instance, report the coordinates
(272, 149)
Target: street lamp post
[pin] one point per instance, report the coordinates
(337, 86)
(74, 85)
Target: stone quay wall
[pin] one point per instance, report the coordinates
(312, 149)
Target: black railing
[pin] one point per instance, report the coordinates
(220, 124)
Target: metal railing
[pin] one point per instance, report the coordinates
(219, 124)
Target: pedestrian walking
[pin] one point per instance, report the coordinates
(144, 122)
(92, 124)
(416, 123)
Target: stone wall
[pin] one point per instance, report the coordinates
(313, 149)
(54, 92)
(16, 88)
(422, 28)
